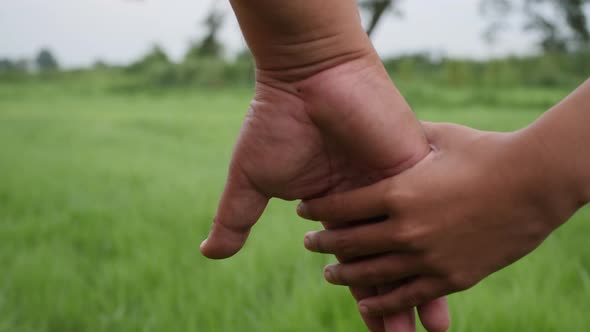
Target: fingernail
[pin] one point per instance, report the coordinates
(302, 210)
(203, 244)
(363, 309)
(308, 241)
(329, 275)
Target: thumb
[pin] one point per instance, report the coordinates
(240, 207)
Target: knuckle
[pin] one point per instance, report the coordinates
(332, 203)
(403, 236)
(343, 245)
(433, 263)
(391, 200)
(460, 282)
(372, 274)
(416, 297)
(398, 197)
(398, 237)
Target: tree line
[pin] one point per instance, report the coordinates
(558, 25)
(563, 57)
(44, 61)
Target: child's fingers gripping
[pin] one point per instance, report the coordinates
(359, 204)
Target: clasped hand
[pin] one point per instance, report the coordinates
(342, 129)
(465, 211)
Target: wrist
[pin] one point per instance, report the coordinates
(562, 136)
(301, 61)
(557, 150)
(293, 40)
(363, 86)
(360, 94)
(545, 180)
(299, 67)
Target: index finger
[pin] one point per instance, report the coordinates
(359, 204)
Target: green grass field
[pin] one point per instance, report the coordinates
(105, 198)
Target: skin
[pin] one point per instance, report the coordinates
(477, 203)
(325, 118)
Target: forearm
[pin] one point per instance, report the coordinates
(298, 38)
(563, 136)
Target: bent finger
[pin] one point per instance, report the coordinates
(435, 315)
(404, 321)
(374, 323)
(378, 271)
(359, 241)
(359, 204)
(414, 293)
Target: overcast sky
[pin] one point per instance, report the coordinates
(118, 31)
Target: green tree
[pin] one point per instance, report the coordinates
(561, 24)
(46, 61)
(376, 9)
(155, 57)
(9, 65)
(209, 46)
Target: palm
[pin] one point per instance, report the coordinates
(335, 132)
(281, 151)
(284, 154)
(295, 147)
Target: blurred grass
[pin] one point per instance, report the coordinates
(104, 199)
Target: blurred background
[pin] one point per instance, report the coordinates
(117, 120)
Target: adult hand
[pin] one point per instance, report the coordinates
(343, 128)
(477, 203)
